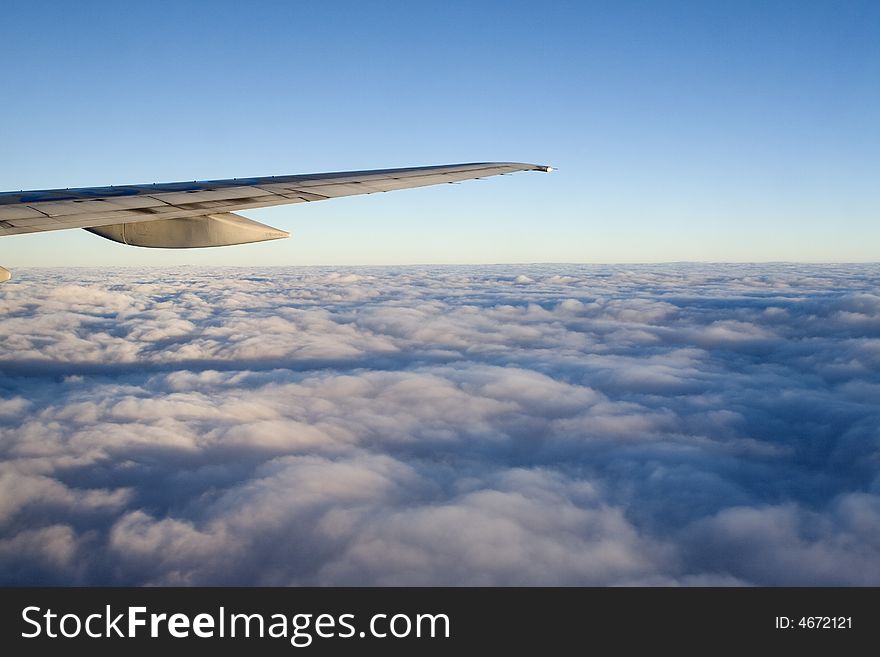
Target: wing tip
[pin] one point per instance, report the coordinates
(525, 166)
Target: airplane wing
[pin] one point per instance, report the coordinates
(202, 213)
(208, 206)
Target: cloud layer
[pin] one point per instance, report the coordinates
(513, 425)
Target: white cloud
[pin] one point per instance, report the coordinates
(675, 424)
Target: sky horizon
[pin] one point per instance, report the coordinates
(525, 263)
(682, 132)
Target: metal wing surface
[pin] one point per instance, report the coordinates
(89, 207)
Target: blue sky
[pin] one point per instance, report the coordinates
(682, 130)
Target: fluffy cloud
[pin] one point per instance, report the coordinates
(521, 425)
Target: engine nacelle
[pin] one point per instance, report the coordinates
(224, 229)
